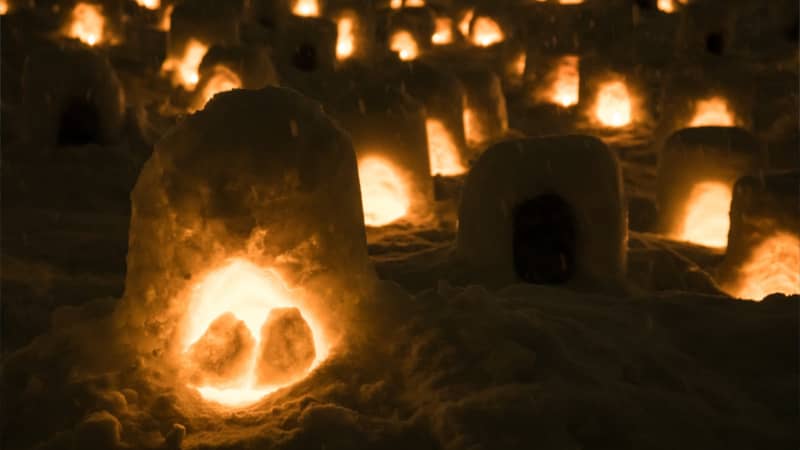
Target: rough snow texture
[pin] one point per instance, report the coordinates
(222, 353)
(383, 121)
(486, 105)
(578, 169)
(287, 347)
(263, 175)
(71, 96)
(695, 155)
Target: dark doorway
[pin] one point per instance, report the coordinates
(79, 123)
(544, 240)
(305, 57)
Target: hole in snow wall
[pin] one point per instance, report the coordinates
(545, 210)
(263, 176)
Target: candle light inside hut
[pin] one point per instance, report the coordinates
(186, 69)
(222, 79)
(712, 112)
(443, 153)
(384, 193)
(771, 268)
(444, 31)
(706, 216)
(3, 7)
(565, 87)
(87, 24)
(149, 4)
(465, 21)
(486, 32)
(613, 105)
(403, 43)
(345, 39)
(306, 8)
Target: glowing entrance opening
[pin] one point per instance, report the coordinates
(444, 31)
(222, 80)
(486, 32)
(345, 39)
(706, 219)
(88, 24)
(666, 6)
(465, 21)
(3, 7)
(384, 193)
(613, 105)
(186, 69)
(149, 4)
(772, 268)
(566, 84)
(445, 158)
(306, 8)
(249, 293)
(713, 112)
(404, 44)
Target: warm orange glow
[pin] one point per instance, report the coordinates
(444, 31)
(395, 4)
(384, 193)
(566, 83)
(613, 105)
(570, 2)
(186, 69)
(712, 112)
(404, 44)
(706, 218)
(88, 24)
(166, 19)
(149, 4)
(248, 292)
(345, 38)
(443, 153)
(773, 267)
(306, 8)
(415, 3)
(222, 80)
(486, 32)
(3, 7)
(473, 128)
(666, 6)
(518, 65)
(465, 21)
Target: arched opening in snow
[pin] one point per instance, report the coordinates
(544, 240)
(79, 123)
(305, 57)
(715, 43)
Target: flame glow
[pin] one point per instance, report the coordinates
(465, 21)
(712, 112)
(444, 156)
(384, 193)
(473, 128)
(444, 31)
(3, 7)
(518, 65)
(415, 3)
(706, 219)
(149, 4)
(249, 293)
(486, 32)
(222, 80)
(396, 4)
(771, 268)
(570, 2)
(305, 8)
(186, 69)
(88, 24)
(566, 82)
(404, 44)
(613, 105)
(345, 38)
(166, 18)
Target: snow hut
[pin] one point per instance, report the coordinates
(547, 211)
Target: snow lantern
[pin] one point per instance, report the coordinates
(227, 68)
(442, 95)
(696, 171)
(408, 32)
(612, 97)
(195, 26)
(307, 8)
(553, 79)
(93, 23)
(71, 96)
(389, 135)
(485, 116)
(545, 210)
(247, 246)
(306, 47)
(763, 253)
(355, 29)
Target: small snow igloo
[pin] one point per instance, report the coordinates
(485, 115)
(389, 135)
(763, 254)
(696, 171)
(246, 240)
(227, 68)
(355, 29)
(613, 95)
(71, 96)
(545, 210)
(407, 32)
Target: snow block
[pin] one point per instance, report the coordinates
(545, 210)
(71, 96)
(485, 114)
(287, 347)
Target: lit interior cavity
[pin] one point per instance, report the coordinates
(465, 21)
(712, 112)
(306, 8)
(384, 193)
(149, 4)
(345, 38)
(773, 267)
(3, 7)
(444, 31)
(396, 4)
(166, 18)
(404, 44)
(473, 128)
(221, 80)
(613, 105)
(486, 32)
(415, 3)
(249, 293)
(566, 82)
(706, 218)
(87, 24)
(445, 158)
(666, 6)
(186, 69)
